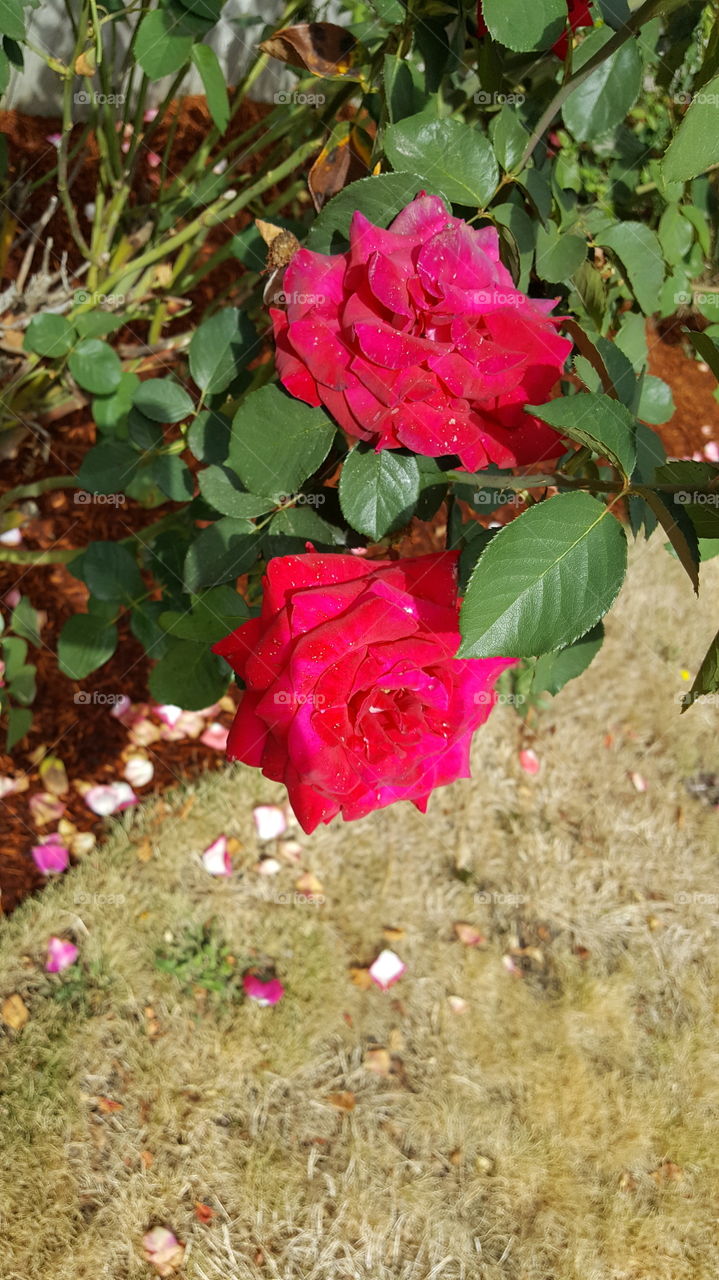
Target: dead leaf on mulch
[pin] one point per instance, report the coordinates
(14, 1012)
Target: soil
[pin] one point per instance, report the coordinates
(88, 739)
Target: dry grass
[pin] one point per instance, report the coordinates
(562, 1128)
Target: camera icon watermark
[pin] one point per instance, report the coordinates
(285, 98)
(85, 99)
(486, 696)
(284, 299)
(485, 898)
(696, 298)
(484, 99)
(697, 499)
(300, 499)
(695, 899)
(85, 698)
(496, 498)
(83, 499)
(99, 899)
(99, 299)
(283, 698)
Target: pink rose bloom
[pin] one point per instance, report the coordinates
(353, 696)
(417, 338)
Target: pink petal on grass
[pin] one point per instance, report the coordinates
(60, 955)
(270, 821)
(51, 857)
(638, 781)
(163, 1250)
(264, 992)
(215, 736)
(105, 799)
(216, 858)
(529, 761)
(386, 969)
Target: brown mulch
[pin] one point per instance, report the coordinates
(88, 739)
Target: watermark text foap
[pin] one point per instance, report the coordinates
(85, 98)
(701, 99)
(285, 98)
(486, 899)
(695, 899)
(284, 299)
(82, 498)
(283, 698)
(300, 499)
(99, 899)
(84, 698)
(485, 99)
(496, 498)
(697, 499)
(99, 299)
(486, 696)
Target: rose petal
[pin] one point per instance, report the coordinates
(529, 761)
(138, 771)
(386, 969)
(51, 857)
(60, 955)
(105, 799)
(168, 713)
(215, 736)
(163, 1250)
(216, 858)
(264, 991)
(270, 821)
(45, 808)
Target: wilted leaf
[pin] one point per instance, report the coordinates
(342, 161)
(322, 48)
(14, 1012)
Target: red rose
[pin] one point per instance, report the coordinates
(417, 338)
(353, 698)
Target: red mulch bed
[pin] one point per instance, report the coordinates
(88, 739)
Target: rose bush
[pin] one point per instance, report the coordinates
(353, 696)
(417, 337)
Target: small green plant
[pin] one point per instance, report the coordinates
(201, 959)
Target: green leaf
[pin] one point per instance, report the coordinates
(173, 476)
(208, 437)
(450, 152)
(220, 348)
(220, 553)
(708, 349)
(553, 670)
(524, 234)
(679, 529)
(378, 490)
(521, 26)
(110, 572)
(640, 258)
(12, 19)
(95, 367)
(218, 103)
(23, 687)
(701, 508)
(14, 651)
(380, 198)
(401, 93)
(111, 412)
(163, 400)
(307, 525)
(558, 256)
(277, 441)
(4, 82)
(19, 722)
(602, 101)
(706, 680)
(544, 580)
(214, 614)
(676, 234)
(97, 324)
(695, 145)
(84, 644)
(510, 139)
(143, 432)
(656, 403)
(24, 621)
(597, 421)
(220, 487)
(49, 335)
(161, 48)
(108, 468)
(189, 675)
